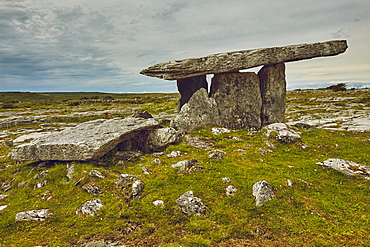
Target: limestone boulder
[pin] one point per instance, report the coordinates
(33, 215)
(201, 110)
(87, 141)
(239, 60)
(347, 167)
(160, 138)
(282, 133)
(189, 204)
(238, 99)
(263, 192)
(90, 207)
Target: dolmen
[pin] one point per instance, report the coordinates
(237, 100)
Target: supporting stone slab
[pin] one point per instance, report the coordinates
(238, 99)
(188, 86)
(273, 93)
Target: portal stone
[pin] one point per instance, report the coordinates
(188, 86)
(273, 92)
(238, 99)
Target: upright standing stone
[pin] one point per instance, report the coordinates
(238, 99)
(273, 92)
(188, 86)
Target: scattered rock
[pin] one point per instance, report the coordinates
(146, 170)
(218, 130)
(158, 203)
(97, 174)
(188, 166)
(92, 189)
(41, 184)
(3, 196)
(23, 184)
(70, 170)
(41, 175)
(34, 215)
(7, 185)
(226, 180)
(90, 207)
(126, 182)
(216, 155)
(264, 151)
(161, 138)
(230, 190)
(263, 192)
(137, 188)
(290, 183)
(156, 161)
(3, 207)
(282, 133)
(190, 204)
(144, 115)
(347, 167)
(125, 179)
(174, 154)
(198, 142)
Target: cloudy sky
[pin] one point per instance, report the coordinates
(95, 45)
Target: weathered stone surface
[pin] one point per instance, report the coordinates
(231, 190)
(90, 207)
(190, 204)
(347, 167)
(238, 99)
(92, 189)
(144, 114)
(239, 60)
(273, 93)
(87, 141)
(97, 174)
(34, 215)
(158, 203)
(198, 142)
(70, 170)
(263, 192)
(199, 111)
(282, 133)
(130, 184)
(188, 86)
(160, 138)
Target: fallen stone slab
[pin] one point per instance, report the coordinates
(239, 60)
(347, 167)
(87, 141)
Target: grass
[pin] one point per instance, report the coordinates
(321, 208)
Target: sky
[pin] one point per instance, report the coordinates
(101, 46)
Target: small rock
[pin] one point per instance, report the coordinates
(347, 167)
(198, 142)
(157, 161)
(264, 151)
(126, 178)
(35, 215)
(3, 196)
(158, 203)
(41, 175)
(290, 184)
(96, 173)
(283, 134)
(90, 207)
(3, 207)
(23, 184)
(70, 170)
(226, 180)
(188, 166)
(7, 185)
(230, 190)
(174, 154)
(137, 188)
(41, 184)
(144, 114)
(263, 192)
(218, 131)
(190, 204)
(146, 170)
(216, 155)
(92, 189)
(184, 163)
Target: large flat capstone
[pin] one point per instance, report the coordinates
(87, 141)
(239, 60)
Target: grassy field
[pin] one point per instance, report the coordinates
(321, 208)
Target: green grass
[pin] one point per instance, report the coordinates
(322, 208)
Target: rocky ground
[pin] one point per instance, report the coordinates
(212, 170)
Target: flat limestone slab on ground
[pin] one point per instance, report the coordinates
(87, 141)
